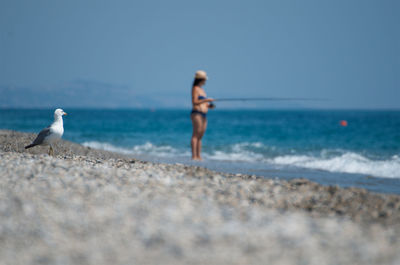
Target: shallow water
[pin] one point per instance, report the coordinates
(271, 143)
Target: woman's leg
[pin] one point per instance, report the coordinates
(198, 150)
(202, 131)
(197, 126)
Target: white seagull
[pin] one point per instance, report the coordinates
(49, 135)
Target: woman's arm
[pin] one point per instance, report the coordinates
(195, 97)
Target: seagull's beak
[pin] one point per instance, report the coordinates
(64, 113)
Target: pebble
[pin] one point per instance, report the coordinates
(87, 206)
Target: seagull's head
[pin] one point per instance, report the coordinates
(59, 113)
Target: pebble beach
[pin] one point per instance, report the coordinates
(88, 206)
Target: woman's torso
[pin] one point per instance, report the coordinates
(201, 94)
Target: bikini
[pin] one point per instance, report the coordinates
(204, 115)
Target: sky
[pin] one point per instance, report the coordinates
(144, 53)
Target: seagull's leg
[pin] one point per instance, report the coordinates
(51, 151)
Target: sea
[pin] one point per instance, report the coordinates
(359, 148)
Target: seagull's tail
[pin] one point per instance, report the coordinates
(29, 146)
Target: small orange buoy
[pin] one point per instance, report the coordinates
(343, 123)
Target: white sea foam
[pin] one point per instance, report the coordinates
(238, 152)
(144, 149)
(340, 162)
(234, 156)
(346, 163)
(107, 147)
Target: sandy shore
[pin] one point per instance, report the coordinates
(87, 206)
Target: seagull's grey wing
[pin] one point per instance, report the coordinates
(41, 136)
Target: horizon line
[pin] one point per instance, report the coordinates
(188, 108)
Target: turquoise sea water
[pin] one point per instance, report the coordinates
(271, 143)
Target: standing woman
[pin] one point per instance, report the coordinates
(201, 104)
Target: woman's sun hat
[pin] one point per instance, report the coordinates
(201, 75)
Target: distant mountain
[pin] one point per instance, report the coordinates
(92, 94)
(86, 94)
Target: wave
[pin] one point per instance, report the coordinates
(346, 163)
(144, 149)
(338, 161)
(238, 152)
(107, 147)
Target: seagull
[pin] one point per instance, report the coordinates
(49, 135)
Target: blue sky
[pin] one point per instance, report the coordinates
(347, 51)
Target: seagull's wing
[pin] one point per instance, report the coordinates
(41, 136)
